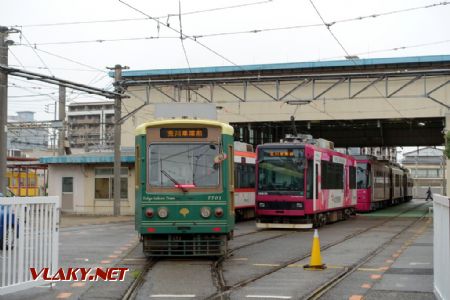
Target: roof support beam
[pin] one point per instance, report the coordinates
(304, 82)
(266, 93)
(164, 93)
(405, 85)
(201, 96)
(366, 87)
(329, 88)
(231, 93)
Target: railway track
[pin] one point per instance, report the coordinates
(224, 290)
(319, 292)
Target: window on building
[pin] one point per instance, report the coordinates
(104, 183)
(67, 184)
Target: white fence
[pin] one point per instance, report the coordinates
(29, 238)
(441, 245)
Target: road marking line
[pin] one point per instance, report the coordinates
(366, 286)
(268, 296)
(266, 265)
(105, 262)
(135, 259)
(369, 269)
(355, 297)
(63, 295)
(384, 268)
(113, 256)
(171, 296)
(78, 284)
(375, 276)
(241, 258)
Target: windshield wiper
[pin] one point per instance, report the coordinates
(177, 184)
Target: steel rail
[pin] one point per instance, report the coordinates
(227, 289)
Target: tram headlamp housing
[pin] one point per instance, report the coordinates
(205, 212)
(261, 204)
(163, 212)
(218, 212)
(149, 212)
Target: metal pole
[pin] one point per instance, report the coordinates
(62, 119)
(117, 141)
(3, 107)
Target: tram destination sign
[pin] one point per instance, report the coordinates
(183, 133)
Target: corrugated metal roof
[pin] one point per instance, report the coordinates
(91, 158)
(284, 66)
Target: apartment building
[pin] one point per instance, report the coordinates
(91, 125)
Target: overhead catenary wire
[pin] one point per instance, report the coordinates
(181, 37)
(252, 31)
(37, 54)
(327, 25)
(143, 19)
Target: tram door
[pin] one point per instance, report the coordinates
(316, 176)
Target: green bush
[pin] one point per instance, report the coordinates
(447, 144)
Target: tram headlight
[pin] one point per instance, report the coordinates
(261, 204)
(163, 212)
(205, 212)
(218, 212)
(149, 212)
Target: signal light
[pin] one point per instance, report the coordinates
(149, 212)
(151, 229)
(218, 212)
(217, 229)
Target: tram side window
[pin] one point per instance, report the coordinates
(352, 177)
(332, 176)
(244, 175)
(309, 179)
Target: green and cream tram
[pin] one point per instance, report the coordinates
(184, 187)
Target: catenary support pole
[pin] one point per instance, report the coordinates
(3, 107)
(117, 140)
(62, 119)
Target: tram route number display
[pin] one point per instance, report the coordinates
(183, 133)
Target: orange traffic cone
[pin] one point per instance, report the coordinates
(316, 260)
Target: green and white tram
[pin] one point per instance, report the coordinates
(184, 187)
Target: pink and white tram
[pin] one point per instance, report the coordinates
(303, 183)
(244, 180)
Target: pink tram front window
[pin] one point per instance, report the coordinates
(281, 171)
(363, 176)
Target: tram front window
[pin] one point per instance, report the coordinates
(183, 164)
(281, 171)
(362, 176)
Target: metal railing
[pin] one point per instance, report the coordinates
(29, 238)
(441, 245)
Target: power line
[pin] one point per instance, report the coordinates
(195, 40)
(142, 19)
(65, 58)
(327, 25)
(181, 36)
(37, 54)
(252, 31)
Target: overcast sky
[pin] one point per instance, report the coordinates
(74, 51)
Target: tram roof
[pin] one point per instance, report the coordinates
(365, 62)
(226, 129)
